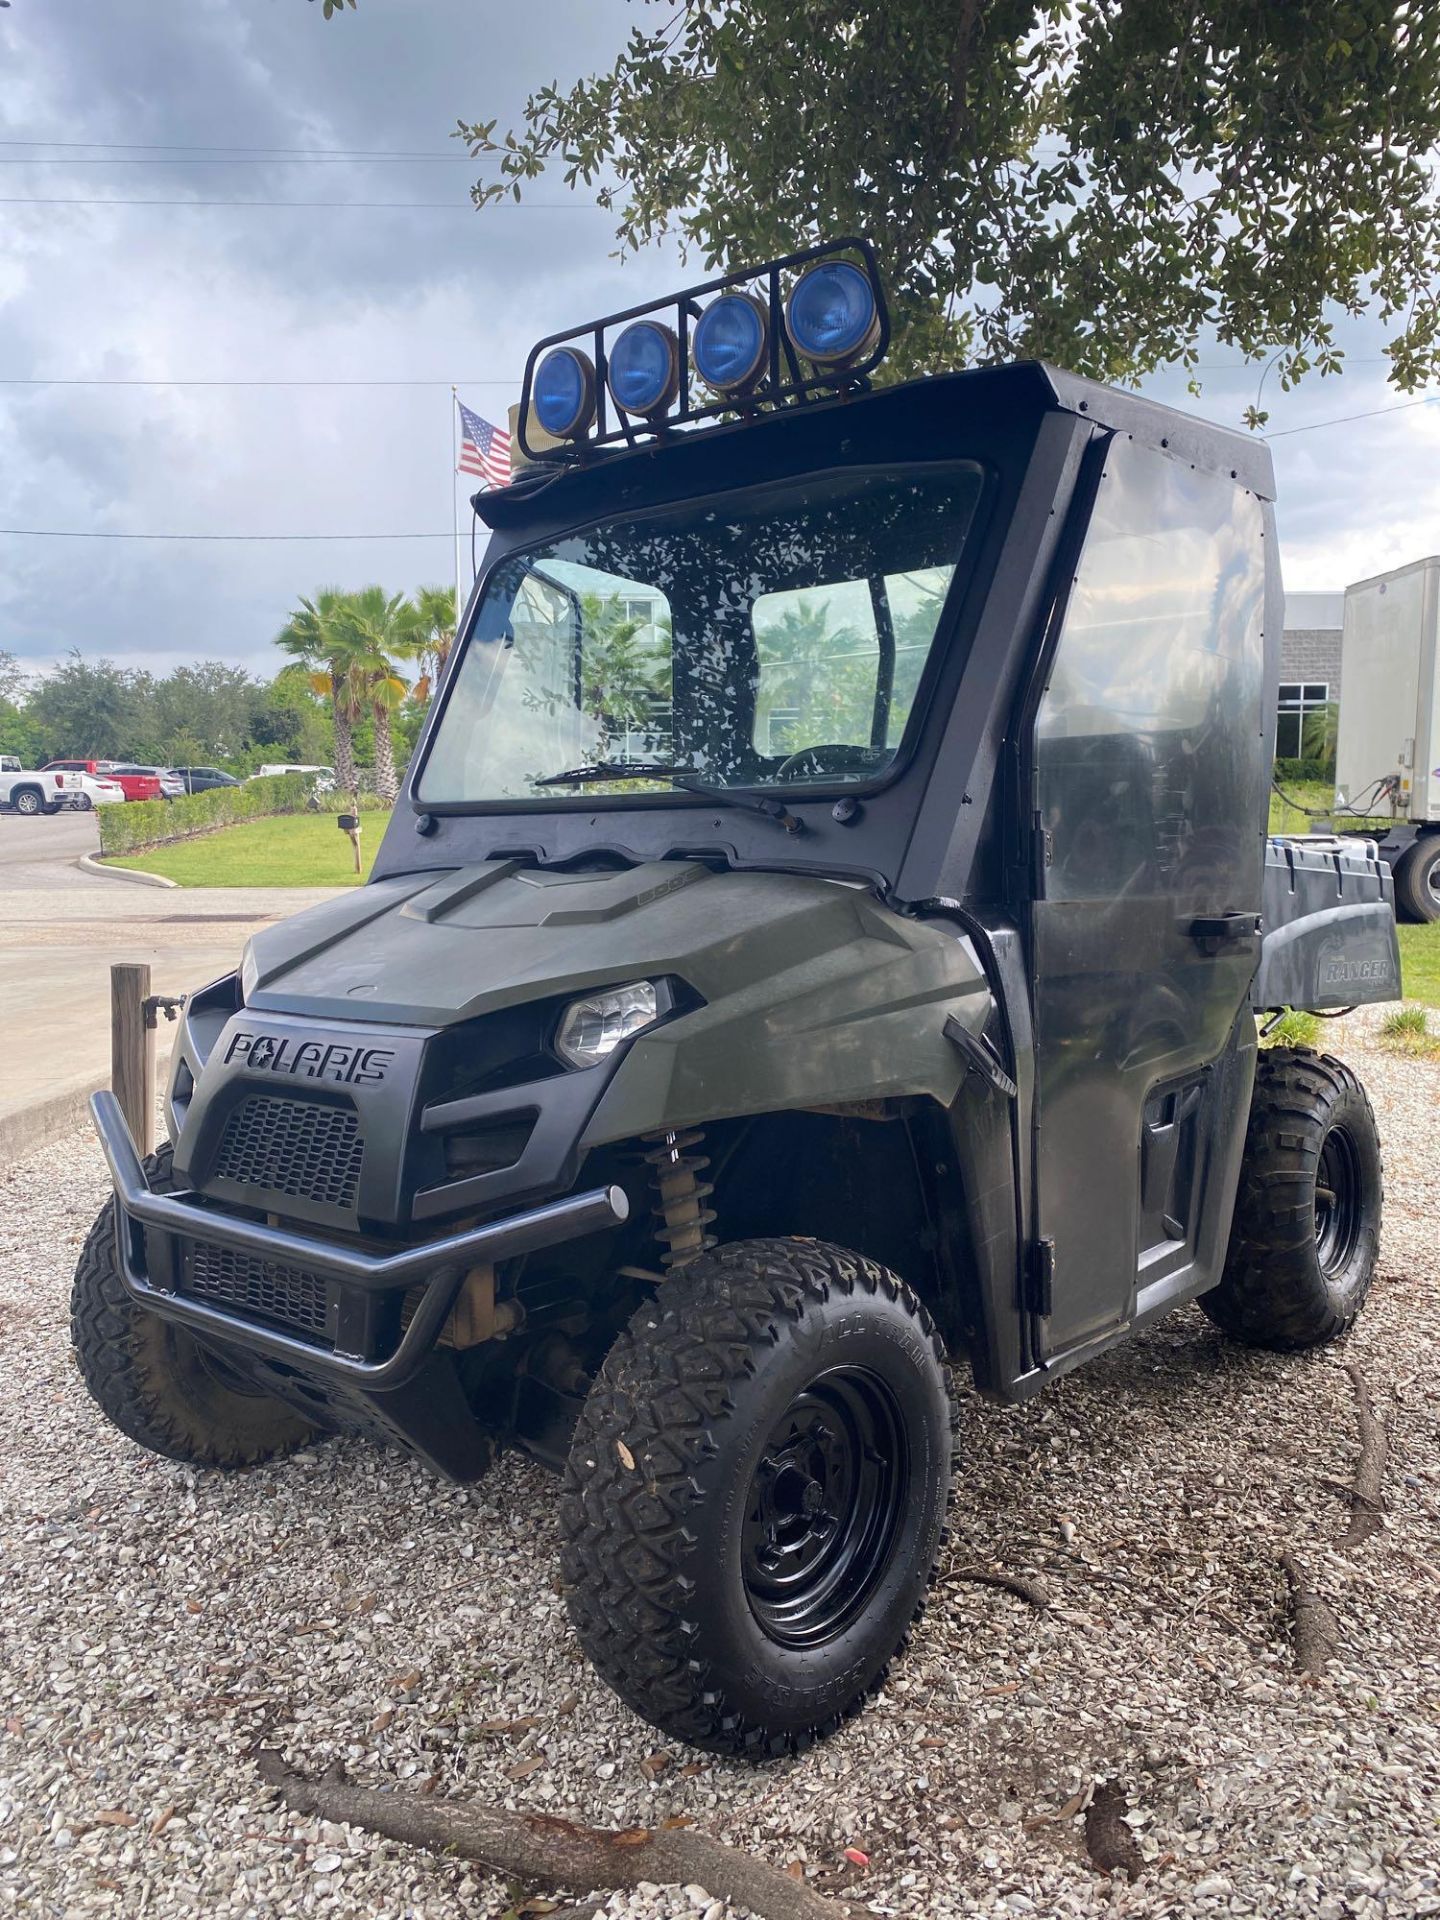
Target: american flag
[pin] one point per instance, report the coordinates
(484, 450)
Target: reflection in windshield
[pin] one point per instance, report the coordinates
(768, 639)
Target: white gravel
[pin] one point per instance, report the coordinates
(155, 1622)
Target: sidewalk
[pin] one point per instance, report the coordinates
(57, 944)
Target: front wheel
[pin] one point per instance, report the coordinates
(1306, 1231)
(155, 1381)
(756, 1493)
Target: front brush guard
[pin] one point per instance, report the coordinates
(438, 1265)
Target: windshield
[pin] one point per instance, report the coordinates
(774, 638)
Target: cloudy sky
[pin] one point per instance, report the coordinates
(107, 101)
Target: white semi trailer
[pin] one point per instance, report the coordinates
(1387, 760)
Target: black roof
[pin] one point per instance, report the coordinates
(924, 418)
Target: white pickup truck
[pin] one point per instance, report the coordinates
(34, 792)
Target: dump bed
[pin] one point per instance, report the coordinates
(1328, 925)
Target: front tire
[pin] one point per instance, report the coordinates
(756, 1494)
(1306, 1231)
(154, 1380)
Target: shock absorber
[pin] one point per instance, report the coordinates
(682, 1210)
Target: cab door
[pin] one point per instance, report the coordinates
(1148, 776)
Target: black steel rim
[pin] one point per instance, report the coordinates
(1338, 1193)
(824, 1506)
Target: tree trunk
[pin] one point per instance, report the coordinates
(387, 787)
(344, 750)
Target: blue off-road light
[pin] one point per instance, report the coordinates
(644, 371)
(831, 314)
(563, 398)
(730, 341)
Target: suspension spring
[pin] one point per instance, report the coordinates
(682, 1210)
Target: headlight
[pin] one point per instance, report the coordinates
(591, 1029)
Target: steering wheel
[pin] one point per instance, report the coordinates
(853, 759)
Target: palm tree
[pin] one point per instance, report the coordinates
(431, 620)
(822, 673)
(316, 636)
(376, 627)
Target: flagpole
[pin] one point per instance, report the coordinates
(455, 501)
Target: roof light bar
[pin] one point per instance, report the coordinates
(804, 327)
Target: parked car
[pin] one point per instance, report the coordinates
(84, 791)
(205, 779)
(324, 776)
(33, 793)
(172, 787)
(135, 784)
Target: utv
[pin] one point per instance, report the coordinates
(824, 931)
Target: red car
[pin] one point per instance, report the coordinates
(135, 786)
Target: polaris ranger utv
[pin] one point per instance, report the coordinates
(822, 933)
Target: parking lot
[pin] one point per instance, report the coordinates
(346, 1604)
(61, 929)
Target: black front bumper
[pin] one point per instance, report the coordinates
(153, 1229)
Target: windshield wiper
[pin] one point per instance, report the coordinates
(775, 810)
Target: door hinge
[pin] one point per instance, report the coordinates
(1042, 853)
(1040, 1278)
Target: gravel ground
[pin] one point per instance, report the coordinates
(155, 1622)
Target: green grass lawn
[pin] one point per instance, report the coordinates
(1420, 963)
(283, 850)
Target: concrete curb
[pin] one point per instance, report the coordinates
(26, 1129)
(88, 863)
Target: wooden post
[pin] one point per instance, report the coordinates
(132, 1053)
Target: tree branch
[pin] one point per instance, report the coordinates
(1315, 1628)
(544, 1851)
(1033, 1592)
(1368, 1504)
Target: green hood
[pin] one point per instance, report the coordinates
(814, 992)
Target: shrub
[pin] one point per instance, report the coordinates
(1293, 1029)
(1308, 770)
(1407, 1030)
(152, 823)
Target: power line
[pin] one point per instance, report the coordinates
(1343, 419)
(396, 206)
(81, 533)
(108, 381)
(200, 158)
(327, 153)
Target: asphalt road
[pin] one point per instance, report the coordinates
(61, 929)
(43, 852)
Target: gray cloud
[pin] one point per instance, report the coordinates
(359, 294)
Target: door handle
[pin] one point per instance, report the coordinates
(1213, 931)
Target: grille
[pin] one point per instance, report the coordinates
(259, 1287)
(295, 1147)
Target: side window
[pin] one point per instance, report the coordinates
(1148, 737)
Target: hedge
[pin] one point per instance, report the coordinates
(153, 823)
(1312, 770)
